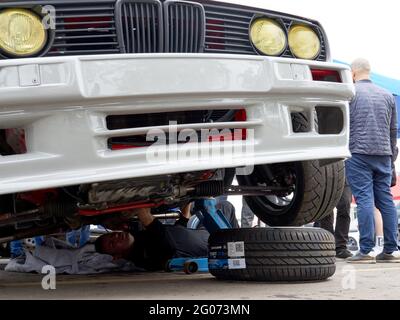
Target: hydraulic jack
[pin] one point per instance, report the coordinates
(213, 219)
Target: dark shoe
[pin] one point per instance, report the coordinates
(388, 258)
(343, 254)
(361, 258)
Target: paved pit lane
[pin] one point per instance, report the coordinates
(375, 281)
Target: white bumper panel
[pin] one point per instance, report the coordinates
(62, 103)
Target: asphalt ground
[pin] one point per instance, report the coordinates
(350, 282)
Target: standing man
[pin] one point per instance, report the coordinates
(342, 226)
(373, 138)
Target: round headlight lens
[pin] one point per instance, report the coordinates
(304, 42)
(268, 36)
(21, 33)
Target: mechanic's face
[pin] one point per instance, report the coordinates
(117, 244)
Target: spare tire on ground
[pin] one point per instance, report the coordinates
(272, 254)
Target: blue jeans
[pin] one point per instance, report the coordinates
(369, 178)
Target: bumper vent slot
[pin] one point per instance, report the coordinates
(12, 142)
(137, 130)
(117, 122)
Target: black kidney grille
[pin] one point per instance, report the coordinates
(184, 25)
(86, 27)
(140, 26)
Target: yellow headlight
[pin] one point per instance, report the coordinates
(21, 32)
(304, 42)
(268, 36)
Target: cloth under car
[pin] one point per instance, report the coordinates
(68, 260)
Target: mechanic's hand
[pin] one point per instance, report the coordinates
(186, 210)
(144, 215)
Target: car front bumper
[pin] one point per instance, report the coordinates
(62, 104)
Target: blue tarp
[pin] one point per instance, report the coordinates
(389, 84)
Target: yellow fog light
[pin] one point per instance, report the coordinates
(268, 36)
(21, 33)
(304, 42)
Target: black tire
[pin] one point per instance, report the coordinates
(275, 254)
(317, 192)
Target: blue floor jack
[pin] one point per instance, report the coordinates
(213, 220)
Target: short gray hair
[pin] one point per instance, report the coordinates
(361, 64)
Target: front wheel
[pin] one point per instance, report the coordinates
(316, 191)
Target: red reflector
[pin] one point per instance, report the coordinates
(326, 75)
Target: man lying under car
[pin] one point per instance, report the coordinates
(157, 243)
